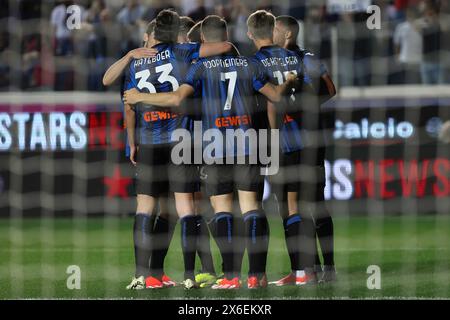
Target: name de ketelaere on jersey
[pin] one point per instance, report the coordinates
(162, 73)
(277, 62)
(227, 85)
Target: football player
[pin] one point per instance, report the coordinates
(277, 62)
(312, 156)
(227, 84)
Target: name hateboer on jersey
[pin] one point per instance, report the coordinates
(160, 73)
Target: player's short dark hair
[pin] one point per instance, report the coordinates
(291, 23)
(167, 26)
(261, 23)
(214, 28)
(151, 27)
(194, 35)
(186, 24)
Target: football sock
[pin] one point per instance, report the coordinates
(239, 244)
(257, 241)
(142, 237)
(306, 246)
(291, 233)
(325, 233)
(204, 245)
(162, 235)
(189, 244)
(224, 225)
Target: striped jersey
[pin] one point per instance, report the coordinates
(227, 86)
(161, 73)
(277, 62)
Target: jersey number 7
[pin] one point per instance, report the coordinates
(232, 76)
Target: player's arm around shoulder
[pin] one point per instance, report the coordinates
(162, 99)
(215, 48)
(116, 70)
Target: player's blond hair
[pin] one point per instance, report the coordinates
(261, 24)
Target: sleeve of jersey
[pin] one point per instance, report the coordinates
(193, 76)
(259, 77)
(130, 81)
(314, 66)
(189, 51)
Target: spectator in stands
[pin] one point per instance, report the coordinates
(383, 48)
(318, 33)
(63, 46)
(298, 9)
(401, 7)
(408, 48)
(313, 29)
(431, 68)
(29, 9)
(31, 57)
(95, 18)
(345, 43)
(129, 18)
(239, 12)
(115, 5)
(6, 56)
(63, 43)
(269, 5)
(154, 8)
(200, 12)
(444, 13)
(363, 50)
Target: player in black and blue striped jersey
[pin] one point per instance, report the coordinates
(227, 84)
(207, 274)
(286, 116)
(150, 147)
(312, 155)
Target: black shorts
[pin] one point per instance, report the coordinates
(226, 178)
(156, 175)
(297, 175)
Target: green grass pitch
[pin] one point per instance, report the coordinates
(413, 253)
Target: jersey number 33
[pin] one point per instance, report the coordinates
(165, 76)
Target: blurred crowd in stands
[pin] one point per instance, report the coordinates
(39, 52)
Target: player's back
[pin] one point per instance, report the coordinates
(161, 73)
(227, 84)
(277, 63)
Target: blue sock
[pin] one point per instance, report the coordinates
(257, 241)
(189, 244)
(292, 236)
(142, 237)
(224, 236)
